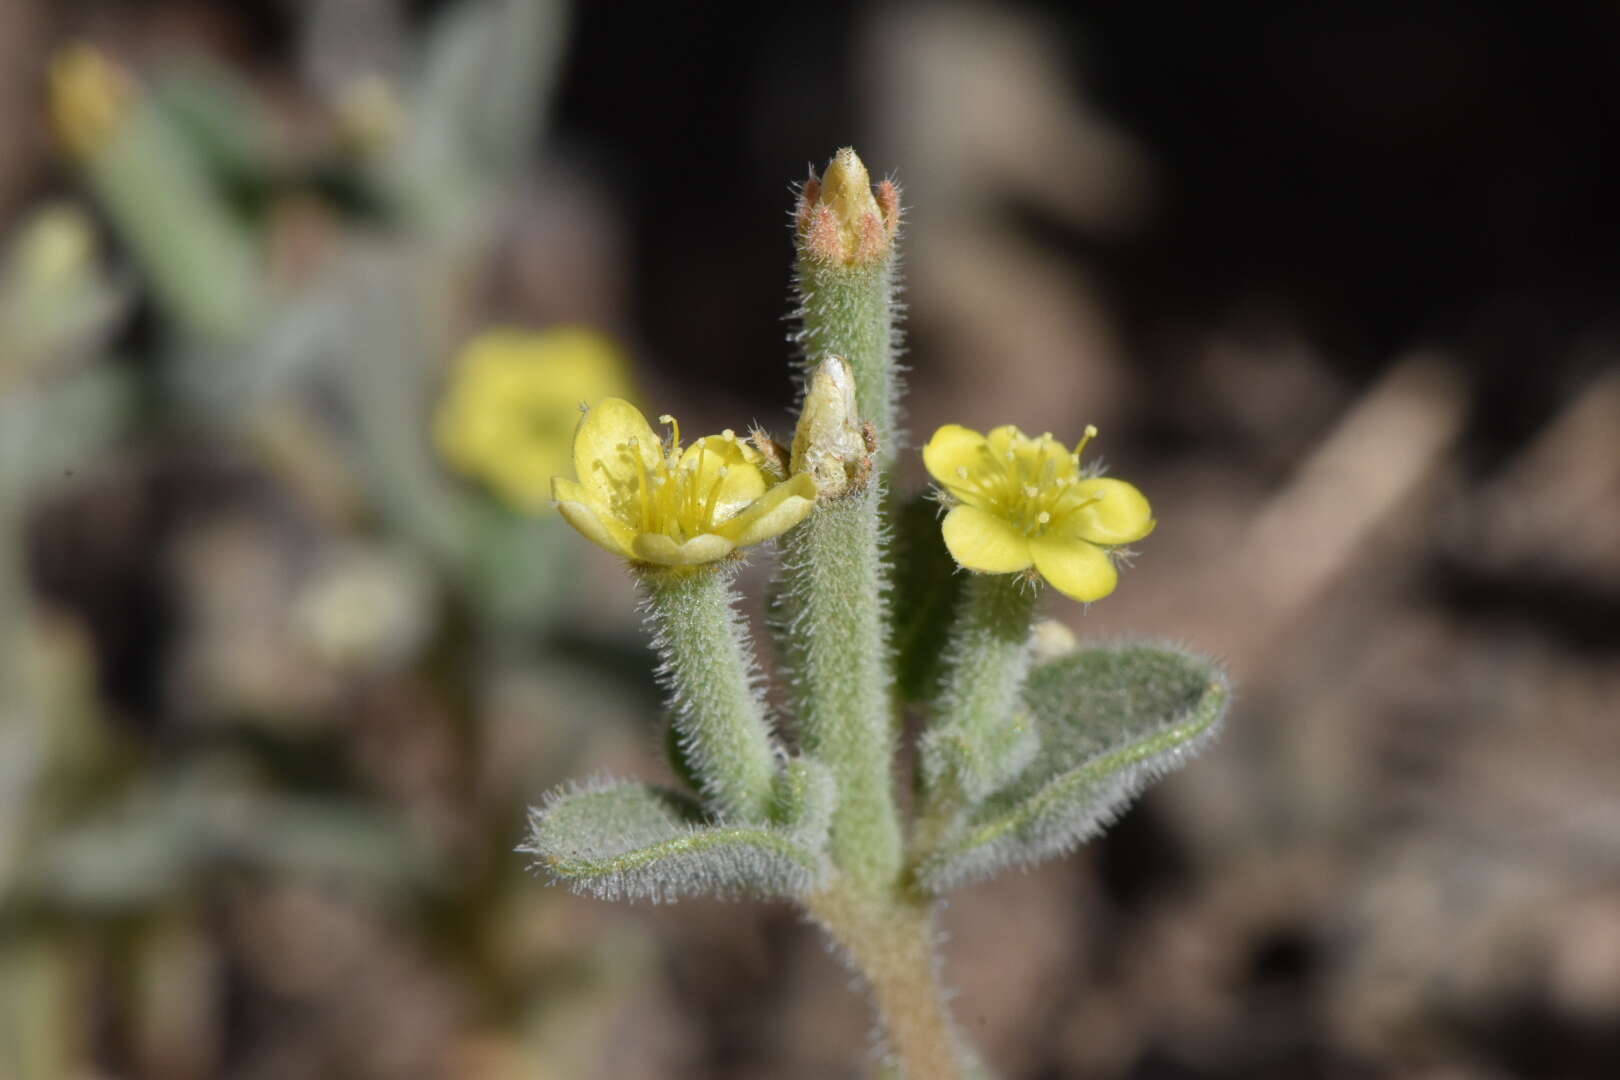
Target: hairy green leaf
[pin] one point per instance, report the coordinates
(1111, 721)
(621, 839)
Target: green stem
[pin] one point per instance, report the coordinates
(981, 737)
(889, 939)
(198, 257)
(849, 311)
(837, 649)
(708, 668)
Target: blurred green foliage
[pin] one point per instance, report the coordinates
(299, 304)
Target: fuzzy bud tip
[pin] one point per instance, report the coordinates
(842, 219)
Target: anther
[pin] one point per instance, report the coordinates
(674, 429)
(1091, 433)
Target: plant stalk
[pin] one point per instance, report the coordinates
(708, 669)
(836, 647)
(849, 311)
(889, 939)
(981, 736)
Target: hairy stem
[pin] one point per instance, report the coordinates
(981, 737)
(850, 311)
(890, 940)
(836, 643)
(708, 668)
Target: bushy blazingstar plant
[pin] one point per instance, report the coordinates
(1022, 757)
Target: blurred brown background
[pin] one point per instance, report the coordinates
(1337, 282)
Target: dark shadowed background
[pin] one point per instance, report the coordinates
(1338, 282)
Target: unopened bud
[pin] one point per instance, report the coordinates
(1050, 639)
(56, 247)
(829, 443)
(841, 219)
(89, 96)
(370, 116)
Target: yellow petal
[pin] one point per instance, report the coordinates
(1074, 567)
(777, 511)
(603, 437)
(742, 482)
(981, 541)
(1004, 438)
(604, 531)
(1120, 516)
(953, 447)
(661, 549)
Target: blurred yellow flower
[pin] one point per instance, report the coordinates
(1023, 502)
(655, 504)
(370, 116)
(88, 97)
(514, 400)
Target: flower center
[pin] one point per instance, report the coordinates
(1032, 483)
(675, 498)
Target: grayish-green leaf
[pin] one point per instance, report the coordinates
(621, 839)
(161, 840)
(1111, 721)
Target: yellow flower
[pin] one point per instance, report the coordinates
(1024, 502)
(665, 505)
(514, 399)
(89, 97)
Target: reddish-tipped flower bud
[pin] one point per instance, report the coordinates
(841, 219)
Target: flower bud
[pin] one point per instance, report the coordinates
(841, 218)
(56, 250)
(89, 96)
(829, 443)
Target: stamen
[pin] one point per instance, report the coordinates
(675, 432)
(714, 496)
(644, 489)
(1080, 448)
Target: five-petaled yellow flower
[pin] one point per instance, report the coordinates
(1023, 502)
(667, 505)
(513, 403)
